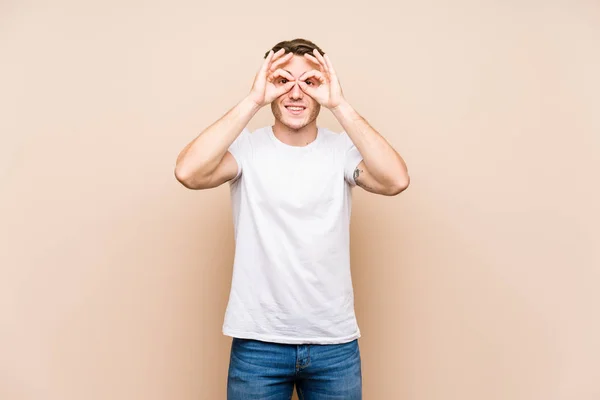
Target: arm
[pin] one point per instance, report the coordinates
(382, 170)
(206, 162)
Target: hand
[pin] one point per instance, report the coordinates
(328, 91)
(271, 81)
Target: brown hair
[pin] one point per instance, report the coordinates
(297, 46)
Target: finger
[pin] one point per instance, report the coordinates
(306, 89)
(272, 56)
(313, 73)
(328, 63)
(265, 65)
(284, 89)
(321, 60)
(277, 54)
(330, 66)
(314, 61)
(281, 73)
(277, 63)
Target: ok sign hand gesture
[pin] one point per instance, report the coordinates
(271, 81)
(322, 85)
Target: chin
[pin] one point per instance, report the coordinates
(294, 123)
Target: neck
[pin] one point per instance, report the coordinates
(295, 137)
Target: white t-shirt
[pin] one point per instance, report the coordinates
(291, 205)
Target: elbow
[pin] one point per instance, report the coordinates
(400, 185)
(184, 177)
(193, 179)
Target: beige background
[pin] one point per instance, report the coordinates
(478, 282)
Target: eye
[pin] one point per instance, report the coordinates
(309, 82)
(283, 80)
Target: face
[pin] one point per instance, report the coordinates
(295, 109)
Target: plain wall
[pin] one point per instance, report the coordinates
(478, 282)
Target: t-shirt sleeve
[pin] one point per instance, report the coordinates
(239, 149)
(352, 158)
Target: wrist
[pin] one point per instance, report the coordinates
(248, 103)
(342, 108)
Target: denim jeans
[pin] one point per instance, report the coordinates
(263, 370)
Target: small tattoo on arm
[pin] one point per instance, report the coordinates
(357, 172)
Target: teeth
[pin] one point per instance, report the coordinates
(296, 108)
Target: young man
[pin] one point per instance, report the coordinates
(291, 305)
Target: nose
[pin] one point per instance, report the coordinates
(296, 92)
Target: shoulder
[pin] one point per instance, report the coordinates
(257, 135)
(339, 140)
(251, 137)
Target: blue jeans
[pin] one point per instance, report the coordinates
(262, 370)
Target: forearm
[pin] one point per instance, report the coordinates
(203, 154)
(381, 159)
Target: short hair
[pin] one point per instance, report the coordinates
(297, 46)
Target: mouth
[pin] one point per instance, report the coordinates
(295, 110)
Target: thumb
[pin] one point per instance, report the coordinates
(306, 89)
(285, 88)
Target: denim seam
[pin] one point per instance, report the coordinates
(355, 354)
(233, 355)
(300, 394)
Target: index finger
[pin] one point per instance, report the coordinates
(265, 64)
(329, 65)
(312, 73)
(271, 56)
(276, 63)
(321, 60)
(314, 61)
(277, 54)
(281, 73)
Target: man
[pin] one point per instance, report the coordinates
(291, 306)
